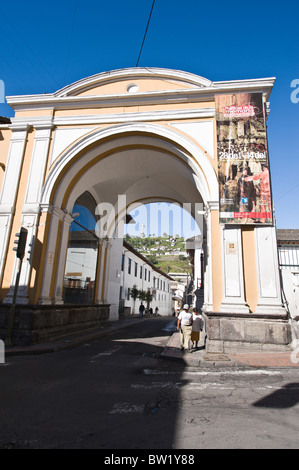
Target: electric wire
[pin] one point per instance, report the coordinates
(71, 40)
(149, 19)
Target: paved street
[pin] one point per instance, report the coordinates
(117, 393)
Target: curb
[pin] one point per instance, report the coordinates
(69, 342)
(202, 358)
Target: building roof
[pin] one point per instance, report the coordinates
(4, 120)
(143, 258)
(288, 236)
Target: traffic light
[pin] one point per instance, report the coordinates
(21, 242)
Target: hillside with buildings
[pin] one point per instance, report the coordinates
(167, 253)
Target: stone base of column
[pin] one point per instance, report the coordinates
(237, 332)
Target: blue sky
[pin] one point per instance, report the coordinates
(46, 45)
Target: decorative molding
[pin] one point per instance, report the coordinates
(168, 115)
(202, 89)
(212, 206)
(152, 73)
(19, 129)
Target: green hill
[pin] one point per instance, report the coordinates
(167, 253)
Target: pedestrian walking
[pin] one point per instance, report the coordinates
(156, 311)
(196, 328)
(185, 320)
(141, 310)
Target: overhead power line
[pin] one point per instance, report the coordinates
(149, 19)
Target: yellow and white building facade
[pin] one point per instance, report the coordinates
(125, 138)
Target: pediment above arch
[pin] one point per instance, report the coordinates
(134, 80)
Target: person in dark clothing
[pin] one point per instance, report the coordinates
(141, 310)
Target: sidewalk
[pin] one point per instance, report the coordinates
(72, 340)
(246, 359)
(171, 352)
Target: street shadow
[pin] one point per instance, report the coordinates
(113, 392)
(146, 414)
(286, 397)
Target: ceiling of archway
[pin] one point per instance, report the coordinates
(141, 173)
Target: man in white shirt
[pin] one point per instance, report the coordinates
(185, 320)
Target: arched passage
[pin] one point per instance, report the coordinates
(122, 166)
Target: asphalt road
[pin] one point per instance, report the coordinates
(116, 393)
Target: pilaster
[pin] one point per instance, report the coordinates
(31, 208)
(51, 254)
(10, 185)
(103, 271)
(210, 208)
(269, 289)
(232, 269)
(66, 222)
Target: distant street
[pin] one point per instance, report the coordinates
(116, 393)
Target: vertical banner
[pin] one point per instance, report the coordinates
(243, 165)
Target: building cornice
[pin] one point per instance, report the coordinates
(96, 119)
(56, 101)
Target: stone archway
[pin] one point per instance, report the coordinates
(136, 162)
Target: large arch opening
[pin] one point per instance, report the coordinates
(82, 253)
(168, 235)
(120, 172)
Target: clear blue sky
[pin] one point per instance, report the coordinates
(46, 45)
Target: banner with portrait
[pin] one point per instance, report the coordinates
(243, 165)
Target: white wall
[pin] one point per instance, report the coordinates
(163, 297)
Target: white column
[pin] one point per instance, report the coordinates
(100, 270)
(10, 186)
(103, 271)
(31, 208)
(57, 216)
(106, 268)
(208, 283)
(67, 220)
(269, 291)
(114, 277)
(232, 267)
